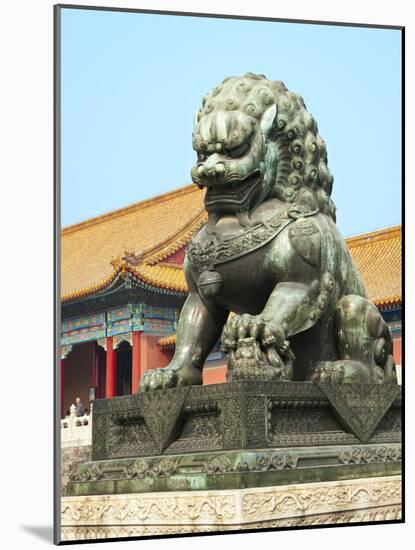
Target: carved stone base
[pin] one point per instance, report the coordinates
(247, 414)
(150, 514)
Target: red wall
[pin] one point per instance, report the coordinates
(152, 356)
(176, 258)
(397, 350)
(215, 374)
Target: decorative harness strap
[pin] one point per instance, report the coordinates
(214, 252)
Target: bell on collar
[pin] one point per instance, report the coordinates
(209, 284)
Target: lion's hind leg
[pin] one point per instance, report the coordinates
(364, 346)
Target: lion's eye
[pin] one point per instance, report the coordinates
(201, 157)
(240, 151)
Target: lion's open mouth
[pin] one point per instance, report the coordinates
(233, 195)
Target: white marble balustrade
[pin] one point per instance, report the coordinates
(76, 431)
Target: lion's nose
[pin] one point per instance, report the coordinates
(211, 170)
(220, 168)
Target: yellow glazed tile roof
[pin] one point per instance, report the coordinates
(149, 227)
(171, 278)
(168, 341)
(378, 257)
(92, 251)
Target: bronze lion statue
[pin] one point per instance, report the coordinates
(269, 272)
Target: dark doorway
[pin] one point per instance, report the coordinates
(101, 355)
(78, 374)
(124, 370)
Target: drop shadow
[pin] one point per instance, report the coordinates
(43, 532)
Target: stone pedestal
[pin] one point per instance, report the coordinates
(245, 415)
(240, 455)
(149, 514)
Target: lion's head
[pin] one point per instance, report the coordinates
(256, 140)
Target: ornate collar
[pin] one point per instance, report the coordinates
(212, 251)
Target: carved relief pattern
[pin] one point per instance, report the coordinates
(270, 461)
(363, 455)
(119, 509)
(90, 473)
(161, 411)
(389, 428)
(334, 495)
(230, 462)
(99, 436)
(226, 416)
(381, 513)
(293, 421)
(124, 404)
(142, 468)
(256, 411)
(130, 438)
(118, 338)
(204, 427)
(218, 464)
(361, 407)
(293, 427)
(317, 438)
(231, 425)
(309, 504)
(212, 252)
(203, 433)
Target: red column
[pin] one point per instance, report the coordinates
(62, 382)
(136, 360)
(110, 370)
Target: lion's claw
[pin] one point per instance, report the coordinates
(243, 326)
(158, 379)
(169, 377)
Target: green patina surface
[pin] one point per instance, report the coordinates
(235, 469)
(270, 252)
(239, 435)
(312, 392)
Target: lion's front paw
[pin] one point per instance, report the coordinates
(158, 379)
(256, 349)
(170, 377)
(244, 326)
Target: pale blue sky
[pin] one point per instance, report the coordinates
(131, 83)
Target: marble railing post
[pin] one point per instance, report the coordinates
(76, 430)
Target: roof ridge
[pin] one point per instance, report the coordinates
(385, 233)
(145, 203)
(170, 245)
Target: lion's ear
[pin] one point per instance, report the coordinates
(268, 118)
(195, 120)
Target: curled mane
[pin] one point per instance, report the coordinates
(302, 175)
